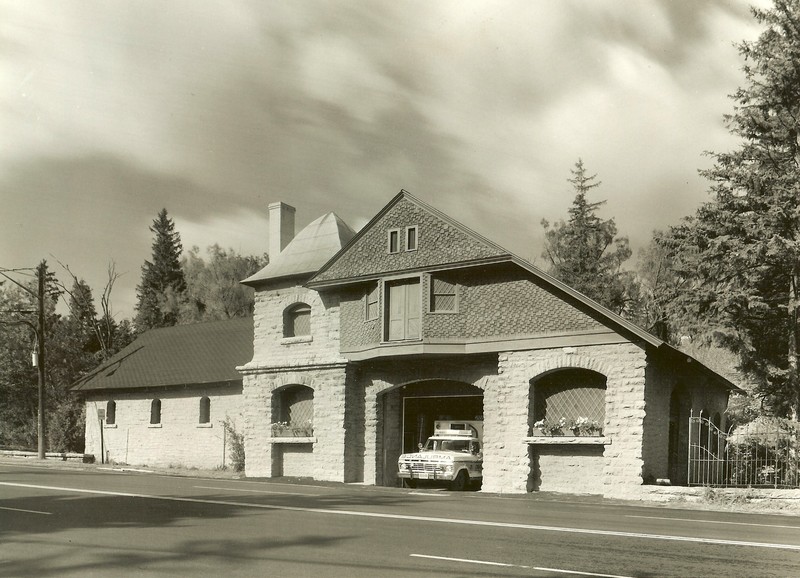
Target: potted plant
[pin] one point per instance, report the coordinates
(583, 426)
(543, 427)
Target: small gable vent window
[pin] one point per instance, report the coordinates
(394, 241)
(443, 296)
(297, 321)
(205, 410)
(155, 412)
(411, 238)
(111, 413)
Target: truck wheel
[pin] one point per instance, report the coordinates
(461, 482)
(409, 483)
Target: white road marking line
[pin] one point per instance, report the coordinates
(459, 521)
(713, 522)
(506, 565)
(27, 511)
(254, 491)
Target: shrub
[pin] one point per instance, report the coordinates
(236, 443)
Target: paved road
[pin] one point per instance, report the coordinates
(106, 523)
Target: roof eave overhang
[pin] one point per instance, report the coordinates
(698, 365)
(158, 386)
(259, 283)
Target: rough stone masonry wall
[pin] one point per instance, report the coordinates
(179, 439)
(278, 362)
(272, 349)
(269, 457)
(507, 465)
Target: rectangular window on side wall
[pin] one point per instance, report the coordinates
(372, 302)
(443, 296)
(394, 241)
(412, 238)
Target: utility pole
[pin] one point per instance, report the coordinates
(41, 271)
(38, 355)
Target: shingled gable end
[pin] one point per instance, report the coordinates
(361, 341)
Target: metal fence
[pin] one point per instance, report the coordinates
(763, 453)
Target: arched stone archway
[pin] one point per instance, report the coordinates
(572, 395)
(406, 415)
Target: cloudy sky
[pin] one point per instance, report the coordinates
(110, 111)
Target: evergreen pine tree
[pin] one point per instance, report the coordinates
(163, 283)
(742, 249)
(585, 252)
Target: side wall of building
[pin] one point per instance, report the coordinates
(179, 440)
(675, 392)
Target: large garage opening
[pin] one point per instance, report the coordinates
(411, 411)
(420, 412)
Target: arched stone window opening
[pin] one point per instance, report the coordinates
(155, 412)
(293, 412)
(205, 410)
(568, 401)
(111, 412)
(297, 320)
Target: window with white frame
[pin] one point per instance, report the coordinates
(373, 293)
(412, 238)
(155, 412)
(111, 412)
(205, 410)
(443, 296)
(394, 241)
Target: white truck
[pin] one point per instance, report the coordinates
(453, 454)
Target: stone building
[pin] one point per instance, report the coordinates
(362, 340)
(359, 342)
(165, 396)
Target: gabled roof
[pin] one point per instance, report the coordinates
(482, 250)
(329, 276)
(183, 355)
(308, 251)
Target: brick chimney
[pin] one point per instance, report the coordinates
(281, 227)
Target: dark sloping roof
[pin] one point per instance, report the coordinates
(181, 355)
(308, 251)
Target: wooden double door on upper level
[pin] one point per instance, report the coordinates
(403, 310)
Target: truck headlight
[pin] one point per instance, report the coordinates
(403, 466)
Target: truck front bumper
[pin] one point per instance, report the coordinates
(406, 475)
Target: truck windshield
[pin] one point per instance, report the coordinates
(447, 445)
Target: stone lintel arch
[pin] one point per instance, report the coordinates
(289, 379)
(566, 361)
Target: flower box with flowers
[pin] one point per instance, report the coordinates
(581, 426)
(284, 430)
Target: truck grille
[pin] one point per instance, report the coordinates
(423, 467)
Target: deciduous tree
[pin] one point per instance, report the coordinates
(213, 288)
